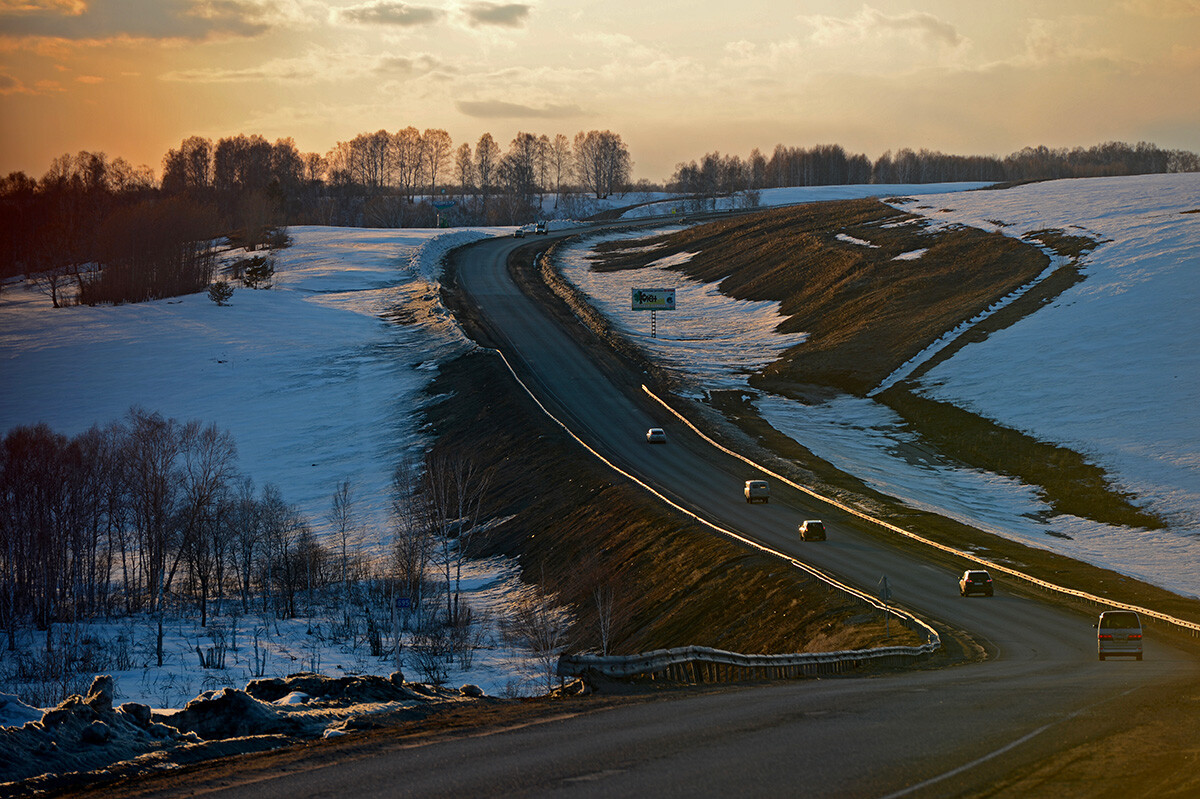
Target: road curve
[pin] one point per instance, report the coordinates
(947, 732)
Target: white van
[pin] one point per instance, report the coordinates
(1119, 632)
(758, 491)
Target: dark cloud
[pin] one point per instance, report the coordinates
(504, 15)
(386, 12)
(10, 85)
(142, 19)
(405, 66)
(498, 109)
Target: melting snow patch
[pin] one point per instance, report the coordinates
(851, 240)
(911, 255)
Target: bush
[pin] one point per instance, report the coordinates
(256, 271)
(220, 292)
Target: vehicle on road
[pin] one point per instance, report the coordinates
(975, 581)
(758, 491)
(543, 227)
(519, 233)
(1119, 632)
(655, 435)
(812, 530)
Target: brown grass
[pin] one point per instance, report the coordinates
(865, 312)
(573, 524)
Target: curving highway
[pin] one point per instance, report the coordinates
(966, 730)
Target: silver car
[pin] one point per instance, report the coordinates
(1119, 632)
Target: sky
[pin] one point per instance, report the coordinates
(133, 78)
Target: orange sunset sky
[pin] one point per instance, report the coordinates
(133, 78)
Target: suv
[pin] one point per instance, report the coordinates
(975, 581)
(758, 491)
(812, 530)
(1119, 632)
(543, 227)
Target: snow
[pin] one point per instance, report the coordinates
(1109, 369)
(713, 337)
(312, 380)
(317, 383)
(773, 198)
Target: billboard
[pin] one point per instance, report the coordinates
(653, 299)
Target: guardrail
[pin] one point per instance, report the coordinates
(934, 641)
(1192, 627)
(699, 664)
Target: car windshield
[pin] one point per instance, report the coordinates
(1119, 621)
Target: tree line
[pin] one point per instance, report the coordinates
(829, 165)
(148, 511)
(95, 229)
(98, 230)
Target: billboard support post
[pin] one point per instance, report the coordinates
(653, 300)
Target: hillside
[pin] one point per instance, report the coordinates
(1088, 444)
(845, 274)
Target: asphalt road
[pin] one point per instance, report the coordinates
(947, 732)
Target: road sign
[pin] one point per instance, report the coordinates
(653, 299)
(402, 603)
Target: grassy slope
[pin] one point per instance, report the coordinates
(867, 314)
(575, 525)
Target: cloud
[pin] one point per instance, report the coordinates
(410, 66)
(314, 66)
(100, 20)
(503, 15)
(1164, 9)
(387, 12)
(26, 6)
(498, 109)
(319, 65)
(11, 85)
(870, 23)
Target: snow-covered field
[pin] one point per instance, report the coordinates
(317, 386)
(771, 198)
(1110, 369)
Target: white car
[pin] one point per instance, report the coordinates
(655, 435)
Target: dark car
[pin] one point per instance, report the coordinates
(812, 530)
(975, 581)
(1119, 632)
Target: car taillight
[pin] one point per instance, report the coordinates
(1135, 637)
(1104, 637)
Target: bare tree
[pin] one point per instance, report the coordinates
(487, 159)
(602, 162)
(209, 457)
(538, 624)
(341, 519)
(464, 168)
(560, 163)
(437, 147)
(455, 488)
(410, 160)
(413, 536)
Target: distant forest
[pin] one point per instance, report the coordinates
(97, 230)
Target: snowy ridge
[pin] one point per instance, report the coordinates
(909, 366)
(1109, 369)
